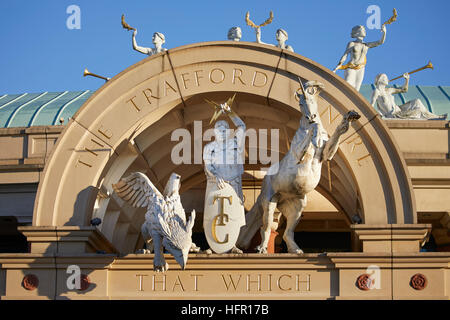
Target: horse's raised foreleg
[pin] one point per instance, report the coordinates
(332, 144)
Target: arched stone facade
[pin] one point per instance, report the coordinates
(126, 126)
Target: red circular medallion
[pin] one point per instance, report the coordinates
(30, 282)
(84, 282)
(363, 282)
(418, 281)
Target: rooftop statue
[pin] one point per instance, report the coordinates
(158, 40)
(224, 165)
(258, 27)
(288, 182)
(281, 37)
(234, 34)
(357, 49)
(165, 219)
(382, 97)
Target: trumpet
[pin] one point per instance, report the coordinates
(87, 73)
(428, 66)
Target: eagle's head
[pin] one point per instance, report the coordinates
(178, 237)
(173, 185)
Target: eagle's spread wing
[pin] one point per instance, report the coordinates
(137, 190)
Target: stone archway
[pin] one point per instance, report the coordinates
(127, 124)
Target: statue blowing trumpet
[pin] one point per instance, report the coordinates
(87, 73)
(428, 66)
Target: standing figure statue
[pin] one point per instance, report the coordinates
(234, 34)
(382, 97)
(281, 37)
(223, 164)
(288, 182)
(357, 49)
(158, 40)
(258, 27)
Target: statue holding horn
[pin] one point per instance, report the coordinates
(357, 49)
(158, 40)
(382, 97)
(258, 27)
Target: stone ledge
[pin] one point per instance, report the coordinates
(31, 130)
(66, 239)
(393, 238)
(417, 124)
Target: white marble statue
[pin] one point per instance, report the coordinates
(357, 49)
(224, 157)
(382, 97)
(158, 40)
(281, 37)
(234, 34)
(165, 220)
(258, 27)
(288, 182)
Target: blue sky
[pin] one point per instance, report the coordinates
(39, 53)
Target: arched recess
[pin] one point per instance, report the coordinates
(126, 125)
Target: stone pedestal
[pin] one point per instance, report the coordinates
(66, 239)
(391, 237)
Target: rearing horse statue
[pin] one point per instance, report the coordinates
(287, 183)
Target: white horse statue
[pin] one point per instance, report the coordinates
(287, 183)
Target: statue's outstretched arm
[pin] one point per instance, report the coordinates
(344, 56)
(379, 42)
(404, 88)
(406, 84)
(240, 131)
(135, 45)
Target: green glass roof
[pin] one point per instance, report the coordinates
(47, 108)
(40, 109)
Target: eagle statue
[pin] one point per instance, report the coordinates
(165, 219)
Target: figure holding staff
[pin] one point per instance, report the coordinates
(223, 214)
